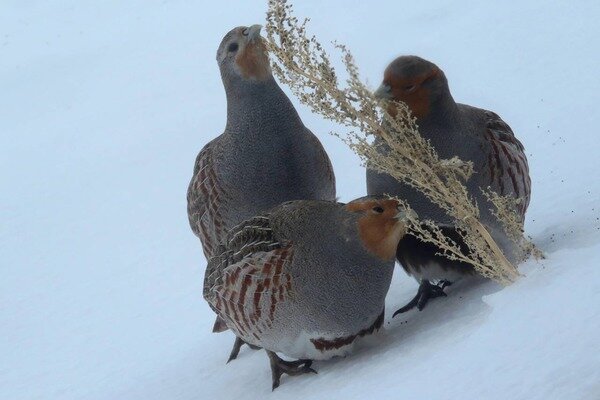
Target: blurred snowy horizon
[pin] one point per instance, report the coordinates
(103, 108)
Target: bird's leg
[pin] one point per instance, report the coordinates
(426, 291)
(443, 284)
(292, 368)
(237, 345)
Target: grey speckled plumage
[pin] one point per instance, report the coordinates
(472, 134)
(301, 280)
(264, 157)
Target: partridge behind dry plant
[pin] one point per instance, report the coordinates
(453, 129)
(264, 157)
(307, 278)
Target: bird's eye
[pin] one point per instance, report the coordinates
(233, 47)
(409, 88)
(378, 209)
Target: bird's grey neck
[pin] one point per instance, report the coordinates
(260, 105)
(445, 115)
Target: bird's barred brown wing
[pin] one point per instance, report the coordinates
(205, 196)
(249, 277)
(506, 163)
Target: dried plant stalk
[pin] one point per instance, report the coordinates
(302, 63)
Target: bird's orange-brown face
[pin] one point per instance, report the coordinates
(380, 227)
(251, 58)
(411, 80)
(243, 53)
(411, 90)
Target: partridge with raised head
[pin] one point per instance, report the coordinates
(264, 157)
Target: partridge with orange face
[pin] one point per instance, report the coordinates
(265, 156)
(453, 129)
(306, 279)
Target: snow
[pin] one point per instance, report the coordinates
(103, 108)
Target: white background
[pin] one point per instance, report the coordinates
(103, 108)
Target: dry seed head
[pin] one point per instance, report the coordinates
(302, 63)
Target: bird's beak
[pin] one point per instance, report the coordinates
(254, 32)
(383, 92)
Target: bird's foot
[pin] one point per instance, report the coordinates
(427, 291)
(292, 368)
(237, 345)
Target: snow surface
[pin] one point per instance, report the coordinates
(103, 108)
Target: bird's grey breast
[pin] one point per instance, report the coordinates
(339, 277)
(263, 169)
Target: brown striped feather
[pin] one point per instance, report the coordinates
(247, 278)
(323, 344)
(507, 163)
(252, 296)
(205, 198)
